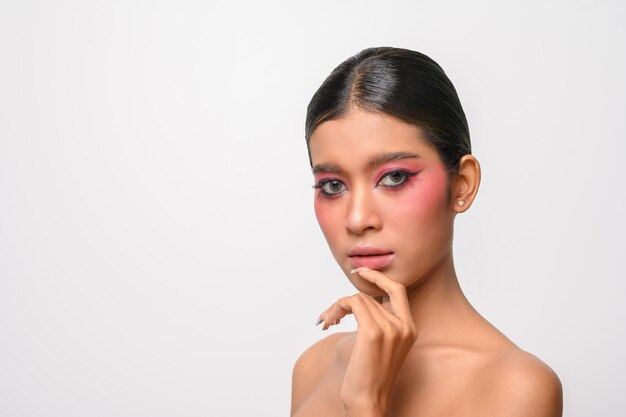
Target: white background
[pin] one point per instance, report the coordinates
(159, 254)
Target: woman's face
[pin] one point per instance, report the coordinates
(381, 187)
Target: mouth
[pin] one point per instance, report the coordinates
(370, 257)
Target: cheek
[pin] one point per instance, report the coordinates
(424, 203)
(324, 216)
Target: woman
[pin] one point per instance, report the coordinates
(390, 151)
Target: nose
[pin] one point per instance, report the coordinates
(363, 213)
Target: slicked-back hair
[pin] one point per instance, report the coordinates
(398, 82)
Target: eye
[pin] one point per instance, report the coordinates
(395, 178)
(330, 187)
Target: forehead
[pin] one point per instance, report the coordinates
(359, 134)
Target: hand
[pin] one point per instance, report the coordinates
(384, 338)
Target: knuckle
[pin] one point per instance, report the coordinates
(405, 333)
(328, 318)
(396, 287)
(395, 329)
(391, 330)
(374, 335)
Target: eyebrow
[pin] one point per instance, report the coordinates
(376, 160)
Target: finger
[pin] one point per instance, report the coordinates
(392, 324)
(349, 305)
(333, 315)
(388, 326)
(385, 320)
(379, 310)
(397, 293)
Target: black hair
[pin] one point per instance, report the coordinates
(402, 83)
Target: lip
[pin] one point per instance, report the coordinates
(370, 257)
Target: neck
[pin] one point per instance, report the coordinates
(437, 302)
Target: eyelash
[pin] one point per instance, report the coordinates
(324, 194)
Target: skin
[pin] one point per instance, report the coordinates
(420, 348)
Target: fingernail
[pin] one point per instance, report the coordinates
(318, 321)
(359, 269)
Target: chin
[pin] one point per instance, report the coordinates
(366, 287)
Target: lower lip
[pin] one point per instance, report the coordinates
(371, 261)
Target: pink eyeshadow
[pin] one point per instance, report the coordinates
(389, 168)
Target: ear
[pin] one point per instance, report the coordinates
(466, 183)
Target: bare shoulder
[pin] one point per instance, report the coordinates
(316, 359)
(311, 366)
(520, 384)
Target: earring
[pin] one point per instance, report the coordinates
(460, 203)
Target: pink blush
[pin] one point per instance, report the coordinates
(323, 211)
(320, 204)
(425, 193)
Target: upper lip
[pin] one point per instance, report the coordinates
(365, 250)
